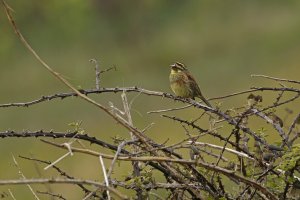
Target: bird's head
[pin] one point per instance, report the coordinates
(177, 67)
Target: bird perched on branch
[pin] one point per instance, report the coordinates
(184, 84)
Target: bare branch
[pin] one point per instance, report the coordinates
(167, 110)
(241, 154)
(108, 69)
(62, 181)
(58, 160)
(297, 118)
(274, 78)
(61, 172)
(97, 70)
(23, 177)
(11, 194)
(59, 196)
(105, 176)
(120, 147)
(52, 134)
(275, 125)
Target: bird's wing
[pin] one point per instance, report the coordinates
(182, 78)
(196, 89)
(193, 84)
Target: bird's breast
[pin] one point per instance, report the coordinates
(179, 86)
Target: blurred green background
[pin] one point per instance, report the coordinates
(222, 43)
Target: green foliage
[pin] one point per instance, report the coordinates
(77, 127)
(117, 139)
(145, 178)
(275, 183)
(262, 132)
(291, 159)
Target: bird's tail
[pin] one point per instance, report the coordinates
(205, 101)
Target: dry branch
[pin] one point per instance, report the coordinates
(211, 167)
(62, 181)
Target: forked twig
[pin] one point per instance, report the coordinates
(23, 177)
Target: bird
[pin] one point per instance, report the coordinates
(183, 84)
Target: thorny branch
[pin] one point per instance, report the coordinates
(62, 181)
(137, 90)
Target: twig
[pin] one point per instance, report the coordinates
(127, 112)
(11, 194)
(297, 118)
(233, 94)
(293, 139)
(224, 147)
(241, 154)
(39, 173)
(61, 172)
(59, 196)
(274, 78)
(278, 98)
(275, 125)
(52, 134)
(58, 160)
(120, 147)
(62, 181)
(158, 185)
(97, 70)
(23, 177)
(148, 127)
(170, 109)
(293, 90)
(135, 165)
(105, 176)
(108, 69)
(214, 155)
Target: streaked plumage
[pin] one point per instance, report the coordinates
(183, 83)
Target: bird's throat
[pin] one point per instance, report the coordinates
(173, 72)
